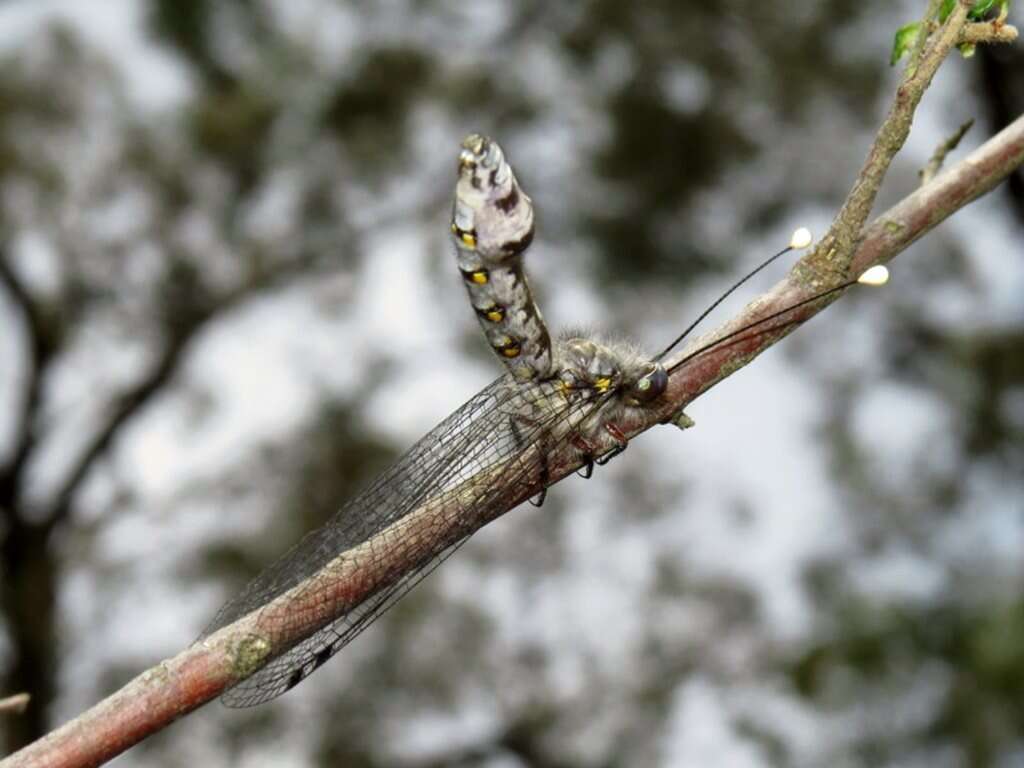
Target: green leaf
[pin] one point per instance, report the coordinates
(978, 10)
(981, 9)
(907, 35)
(967, 49)
(905, 38)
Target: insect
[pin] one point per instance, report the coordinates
(572, 391)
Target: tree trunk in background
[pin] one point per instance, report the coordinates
(28, 595)
(1002, 73)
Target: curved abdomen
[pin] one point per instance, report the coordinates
(492, 225)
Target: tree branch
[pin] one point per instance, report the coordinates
(42, 344)
(934, 164)
(200, 673)
(121, 410)
(987, 32)
(130, 402)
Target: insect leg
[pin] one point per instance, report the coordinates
(581, 444)
(620, 444)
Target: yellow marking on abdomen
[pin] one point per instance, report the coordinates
(467, 238)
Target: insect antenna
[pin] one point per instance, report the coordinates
(875, 276)
(800, 240)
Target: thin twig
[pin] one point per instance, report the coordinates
(982, 32)
(939, 156)
(927, 26)
(14, 705)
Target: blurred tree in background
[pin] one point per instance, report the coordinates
(227, 302)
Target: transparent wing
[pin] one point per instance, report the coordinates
(497, 427)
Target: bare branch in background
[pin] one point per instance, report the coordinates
(42, 346)
(131, 402)
(124, 407)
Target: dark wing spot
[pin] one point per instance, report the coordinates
(295, 678)
(322, 657)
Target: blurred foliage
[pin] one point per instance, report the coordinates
(369, 112)
(970, 651)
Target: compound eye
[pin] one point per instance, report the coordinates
(651, 386)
